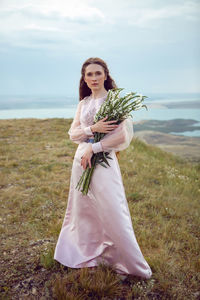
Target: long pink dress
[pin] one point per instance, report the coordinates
(97, 227)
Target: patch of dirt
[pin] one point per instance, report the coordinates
(28, 278)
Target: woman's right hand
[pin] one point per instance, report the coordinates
(104, 126)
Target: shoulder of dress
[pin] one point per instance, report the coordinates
(83, 101)
(86, 99)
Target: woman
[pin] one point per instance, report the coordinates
(97, 227)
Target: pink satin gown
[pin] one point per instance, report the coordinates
(98, 227)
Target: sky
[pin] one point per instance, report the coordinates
(150, 46)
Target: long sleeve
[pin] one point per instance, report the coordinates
(76, 133)
(118, 139)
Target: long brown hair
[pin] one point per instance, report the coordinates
(109, 83)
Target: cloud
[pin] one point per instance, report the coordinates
(141, 37)
(150, 16)
(63, 8)
(23, 24)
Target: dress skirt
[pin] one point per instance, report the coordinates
(97, 227)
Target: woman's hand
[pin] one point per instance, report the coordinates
(86, 158)
(104, 127)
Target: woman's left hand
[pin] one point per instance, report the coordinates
(86, 158)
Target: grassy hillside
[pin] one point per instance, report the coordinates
(163, 196)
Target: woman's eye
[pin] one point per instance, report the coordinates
(96, 73)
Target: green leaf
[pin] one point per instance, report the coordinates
(103, 165)
(145, 106)
(105, 160)
(109, 157)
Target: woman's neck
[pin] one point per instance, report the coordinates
(99, 94)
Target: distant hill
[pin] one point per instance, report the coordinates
(157, 133)
(167, 126)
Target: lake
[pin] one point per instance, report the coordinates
(160, 107)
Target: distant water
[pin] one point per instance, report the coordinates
(160, 107)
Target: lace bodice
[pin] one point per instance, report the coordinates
(89, 108)
(117, 139)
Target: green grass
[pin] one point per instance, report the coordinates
(163, 195)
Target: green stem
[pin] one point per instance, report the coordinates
(81, 180)
(88, 180)
(85, 179)
(89, 175)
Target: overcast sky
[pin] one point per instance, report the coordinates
(150, 46)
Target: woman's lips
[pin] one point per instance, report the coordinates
(94, 84)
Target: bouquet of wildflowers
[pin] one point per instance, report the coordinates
(116, 108)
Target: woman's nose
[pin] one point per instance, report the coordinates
(94, 77)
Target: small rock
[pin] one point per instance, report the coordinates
(197, 294)
(34, 291)
(17, 286)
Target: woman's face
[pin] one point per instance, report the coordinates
(95, 76)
